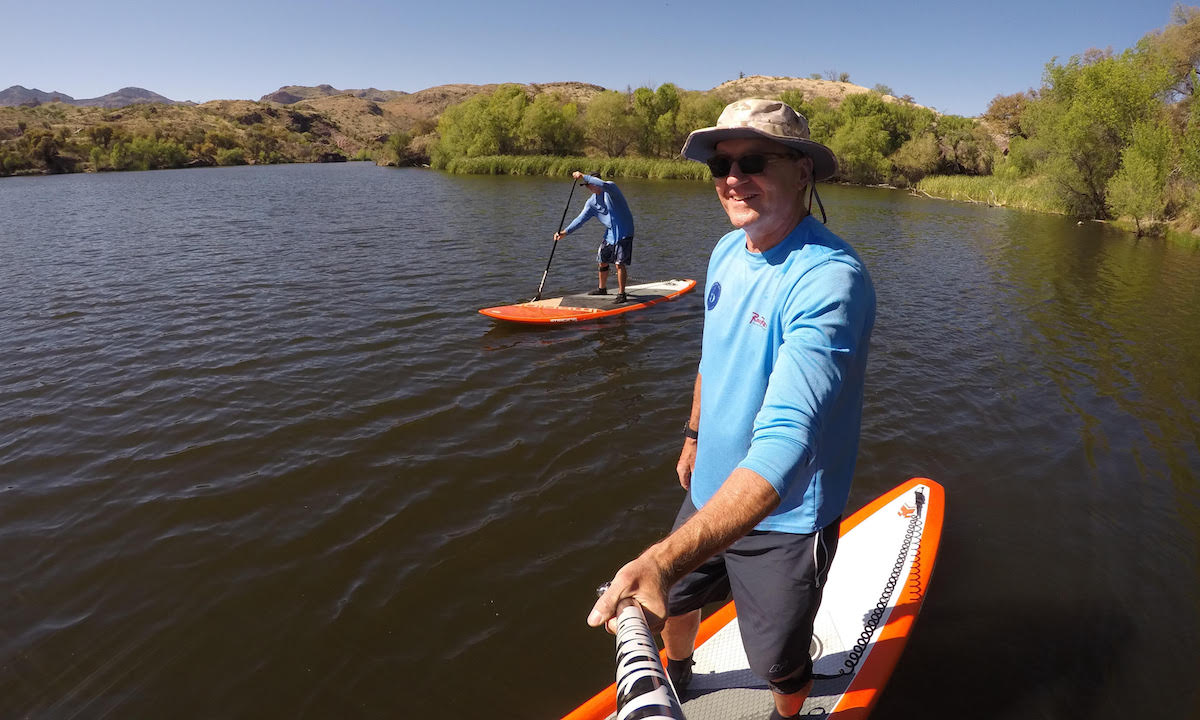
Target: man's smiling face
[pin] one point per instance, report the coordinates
(767, 205)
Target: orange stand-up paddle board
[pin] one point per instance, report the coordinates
(573, 308)
(872, 596)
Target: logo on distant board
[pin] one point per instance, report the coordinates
(906, 511)
(759, 320)
(714, 294)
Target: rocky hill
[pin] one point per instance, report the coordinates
(423, 106)
(19, 96)
(768, 86)
(289, 94)
(410, 109)
(129, 96)
(53, 132)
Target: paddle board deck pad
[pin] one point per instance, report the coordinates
(872, 596)
(573, 308)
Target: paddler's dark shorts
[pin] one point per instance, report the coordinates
(621, 252)
(776, 579)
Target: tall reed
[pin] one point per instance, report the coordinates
(1032, 194)
(558, 166)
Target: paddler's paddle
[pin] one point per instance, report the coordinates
(644, 689)
(538, 296)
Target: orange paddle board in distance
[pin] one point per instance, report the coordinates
(574, 308)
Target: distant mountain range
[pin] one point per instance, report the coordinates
(17, 95)
(289, 94)
(437, 97)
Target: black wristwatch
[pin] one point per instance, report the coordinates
(689, 433)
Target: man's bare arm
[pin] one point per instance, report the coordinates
(687, 456)
(743, 500)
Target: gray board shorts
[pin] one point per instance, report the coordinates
(620, 252)
(776, 579)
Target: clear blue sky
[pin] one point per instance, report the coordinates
(953, 55)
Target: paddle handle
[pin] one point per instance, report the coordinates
(643, 688)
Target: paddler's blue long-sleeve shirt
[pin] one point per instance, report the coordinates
(610, 208)
(781, 372)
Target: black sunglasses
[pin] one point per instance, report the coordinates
(750, 164)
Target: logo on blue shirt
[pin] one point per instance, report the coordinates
(714, 294)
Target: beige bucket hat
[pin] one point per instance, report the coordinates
(770, 119)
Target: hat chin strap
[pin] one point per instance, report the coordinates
(812, 193)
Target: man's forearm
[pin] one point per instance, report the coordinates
(694, 417)
(743, 500)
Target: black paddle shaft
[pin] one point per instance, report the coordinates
(538, 296)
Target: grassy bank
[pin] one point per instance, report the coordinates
(1032, 194)
(1036, 195)
(552, 166)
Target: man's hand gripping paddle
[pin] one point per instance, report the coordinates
(644, 689)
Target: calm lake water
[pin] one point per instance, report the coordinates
(261, 458)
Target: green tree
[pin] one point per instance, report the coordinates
(486, 124)
(696, 110)
(231, 156)
(1004, 112)
(43, 146)
(101, 135)
(221, 140)
(645, 112)
(395, 149)
(1138, 189)
(550, 127)
(1084, 119)
(98, 158)
(793, 98)
(609, 125)
(1177, 46)
(506, 107)
(146, 153)
(1189, 140)
(917, 158)
(823, 119)
(262, 145)
(966, 146)
(860, 145)
(656, 112)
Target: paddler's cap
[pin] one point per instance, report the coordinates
(770, 119)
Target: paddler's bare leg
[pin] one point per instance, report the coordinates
(679, 635)
(788, 705)
(679, 639)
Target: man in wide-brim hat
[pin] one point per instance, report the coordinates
(770, 445)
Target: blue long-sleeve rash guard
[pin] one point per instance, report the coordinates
(610, 208)
(782, 366)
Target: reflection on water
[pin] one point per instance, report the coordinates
(259, 456)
